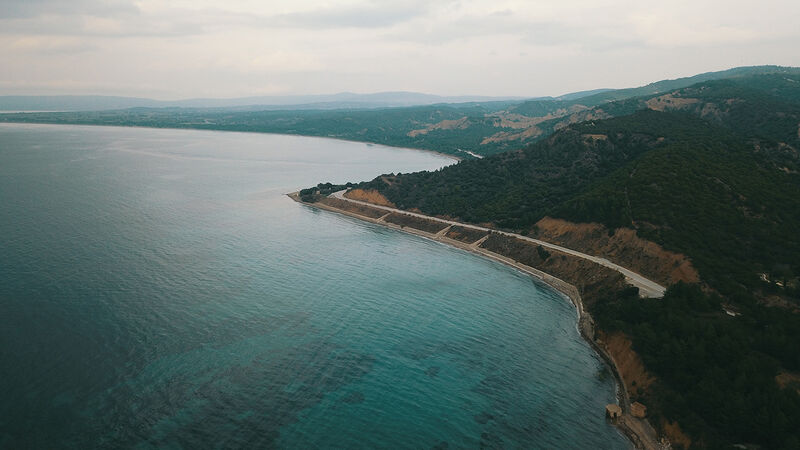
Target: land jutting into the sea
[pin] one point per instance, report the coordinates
(558, 267)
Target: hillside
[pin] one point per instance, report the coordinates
(720, 186)
(635, 171)
(481, 126)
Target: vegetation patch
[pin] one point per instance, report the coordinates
(419, 223)
(592, 280)
(361, 210)
(466, 235)
(715, 373)
(313, 194)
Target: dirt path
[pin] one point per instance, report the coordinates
(647, 287)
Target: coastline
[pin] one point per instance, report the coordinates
(369, 143)
(639, 431)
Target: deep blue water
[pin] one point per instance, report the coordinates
(158, 289)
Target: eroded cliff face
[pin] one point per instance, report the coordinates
(592, 280)
(629, 364)
(638, 380)
(624, 247)
(370, 196)
(675, 434)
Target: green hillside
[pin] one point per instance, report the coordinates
(670, 176)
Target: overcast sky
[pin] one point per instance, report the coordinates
(198, 48)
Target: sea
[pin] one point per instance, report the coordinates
(158, 289)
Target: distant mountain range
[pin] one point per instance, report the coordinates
(343, 100)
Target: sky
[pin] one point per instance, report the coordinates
(235, 48)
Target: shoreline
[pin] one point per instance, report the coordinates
(368, 143)
(641, 435)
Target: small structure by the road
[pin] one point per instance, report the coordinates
(638, 410)
(613, 411)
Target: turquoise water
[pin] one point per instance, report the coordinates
(157, 289)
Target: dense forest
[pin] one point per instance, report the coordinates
(717, 373)
(712, 174)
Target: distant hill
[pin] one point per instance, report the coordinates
(547, 116)
(670, 85)
(344, 100)
(581, 94)
(401, 127)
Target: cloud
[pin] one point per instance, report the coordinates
(124, 19)
(504, 47)
(369, 15)
(38, 45)
(27, 9)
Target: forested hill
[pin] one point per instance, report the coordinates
(718, 185)
(691, 186)
(482, 127)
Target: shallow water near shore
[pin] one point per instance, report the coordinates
(158, 289)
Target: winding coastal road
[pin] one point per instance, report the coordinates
(647, 287)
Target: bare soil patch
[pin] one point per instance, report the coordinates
(624, 247)
(369, 196)
(629, 364)
(788, 380)
(458, 124)
(669, 101)
(466, 235)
